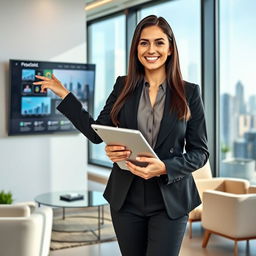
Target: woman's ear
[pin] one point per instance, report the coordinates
(170, 52)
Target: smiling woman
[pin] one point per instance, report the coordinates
(149, 204)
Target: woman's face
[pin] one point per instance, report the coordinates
(153, 48)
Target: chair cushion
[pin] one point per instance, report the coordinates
(236, 186)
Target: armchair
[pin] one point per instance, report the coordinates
(25, 230)
(204, 180)
(229, 215)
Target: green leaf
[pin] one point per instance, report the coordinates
(5, 198)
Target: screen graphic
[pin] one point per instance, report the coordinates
(33, 111)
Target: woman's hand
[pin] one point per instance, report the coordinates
(154, 168)
(117, 153)
(53, 84)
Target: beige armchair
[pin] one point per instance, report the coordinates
(229, 215)
(204, 180)
(25, 230)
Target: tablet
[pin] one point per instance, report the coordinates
(133, 140)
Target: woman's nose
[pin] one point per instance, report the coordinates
(151, 49)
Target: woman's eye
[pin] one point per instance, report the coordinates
(160, 43)
(143, 43)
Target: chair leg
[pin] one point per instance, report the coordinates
(235, 249)
(190, 229)
(207, 235)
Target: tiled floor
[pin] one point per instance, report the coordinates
(217, 246)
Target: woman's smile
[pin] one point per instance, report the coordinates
(152, 59)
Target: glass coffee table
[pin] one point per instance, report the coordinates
(90, 199)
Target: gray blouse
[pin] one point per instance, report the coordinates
(149, 118)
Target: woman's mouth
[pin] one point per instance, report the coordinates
(152, 59)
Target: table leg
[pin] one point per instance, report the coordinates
(102, 215)
(99, 220)
(63, 213)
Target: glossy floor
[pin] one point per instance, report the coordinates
(217, 246)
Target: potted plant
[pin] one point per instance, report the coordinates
(5, 198)
(224, 151)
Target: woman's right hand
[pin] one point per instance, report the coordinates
(53, 84)
(117, 153)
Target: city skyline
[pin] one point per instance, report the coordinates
(238, 124)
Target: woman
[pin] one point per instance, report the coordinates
(149, 205)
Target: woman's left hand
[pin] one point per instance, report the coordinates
(154, 168)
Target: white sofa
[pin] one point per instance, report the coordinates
(25, 230)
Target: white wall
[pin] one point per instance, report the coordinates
(40, 30)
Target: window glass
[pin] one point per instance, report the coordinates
(106, 49)
(237, 89)
(184, 18)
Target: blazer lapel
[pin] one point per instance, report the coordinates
(131, 107)
(168, 121)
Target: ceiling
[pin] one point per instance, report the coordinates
(110, 7)
(89, 1)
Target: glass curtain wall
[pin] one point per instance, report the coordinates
(106, 49)
(237, 88)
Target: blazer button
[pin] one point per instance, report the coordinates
(171, 150)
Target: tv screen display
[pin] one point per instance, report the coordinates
(33, 111)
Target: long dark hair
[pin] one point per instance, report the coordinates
(136, 71)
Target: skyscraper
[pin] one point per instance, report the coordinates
(240, 106)
(240, 148)
(250, 138)
(252, 105)
(226, 119)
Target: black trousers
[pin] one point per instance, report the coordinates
(142, 225)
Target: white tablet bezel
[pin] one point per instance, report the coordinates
(132, 139)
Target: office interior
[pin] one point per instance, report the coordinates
(217, 51)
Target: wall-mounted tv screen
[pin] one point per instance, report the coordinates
(33, 111)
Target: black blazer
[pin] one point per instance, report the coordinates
(177, 187)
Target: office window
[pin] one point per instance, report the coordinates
(237, 89)
(106, 49)
(184, 18)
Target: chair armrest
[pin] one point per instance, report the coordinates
(252, 190)
(229, 214)
(31, 204)
(14, 210)
(47, 214)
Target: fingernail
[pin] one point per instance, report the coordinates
(137, 158)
